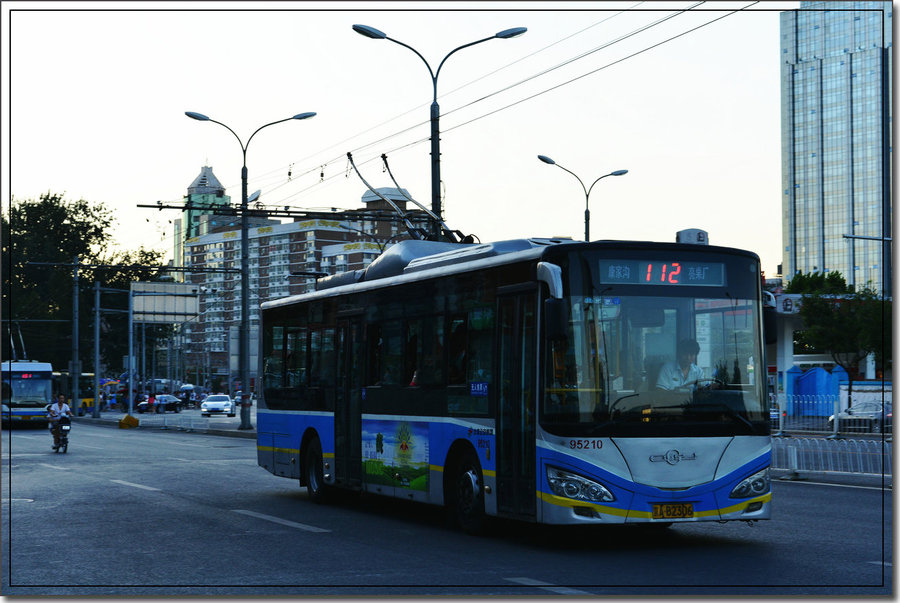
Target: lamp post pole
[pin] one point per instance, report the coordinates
(244, 350)
(371, 32)
(587, 192)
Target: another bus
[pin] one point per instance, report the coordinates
(63, 383)
(521, 379)
(27, 390)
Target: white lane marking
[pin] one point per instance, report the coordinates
(284, 522)
(124, 483)
(12, 500)
(80, 445)
(884, 563)
(559, 590)
(886, 488)
(52, 466)
(16, 455)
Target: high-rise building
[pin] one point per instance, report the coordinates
(284, 260)
(836, 93)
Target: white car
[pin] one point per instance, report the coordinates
(218, 404)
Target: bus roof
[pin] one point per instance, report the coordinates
(25, 365)
(413, 260)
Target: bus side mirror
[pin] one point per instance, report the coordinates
(770, 327)
(556, 318)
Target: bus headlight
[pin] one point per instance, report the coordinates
(756, 484)
(569, 485)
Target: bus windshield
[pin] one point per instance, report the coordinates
(28, 390)
(648, 361)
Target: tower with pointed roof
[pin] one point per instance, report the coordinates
(204, 192)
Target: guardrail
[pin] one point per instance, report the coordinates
(866, 457)
(180, 422)
(822, 414)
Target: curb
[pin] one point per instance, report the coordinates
(109, 422)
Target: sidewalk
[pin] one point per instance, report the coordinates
(186, 420)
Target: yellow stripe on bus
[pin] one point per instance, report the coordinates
(568, 502)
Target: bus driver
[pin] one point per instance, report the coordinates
(683, 373)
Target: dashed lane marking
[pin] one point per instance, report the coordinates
(284, 522)
(559, 590)
(53, 466)
(142, 487)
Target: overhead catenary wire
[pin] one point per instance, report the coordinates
(407, 145)
(281, 170)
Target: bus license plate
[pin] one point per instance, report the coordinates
(673, 511)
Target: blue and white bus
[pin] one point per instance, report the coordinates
(522, 379)
(27, 390)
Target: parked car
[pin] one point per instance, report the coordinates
(166, 402)
(873, 417)
(218, 404)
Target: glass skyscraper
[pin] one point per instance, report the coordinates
(836, 113)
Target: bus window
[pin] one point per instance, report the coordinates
(480, 347)
(385, 355)
(274, 357)
(322, 357)
(296, 358)
(412, 354)
(458, 340)
(424, 354)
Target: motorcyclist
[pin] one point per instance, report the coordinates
(55, 411)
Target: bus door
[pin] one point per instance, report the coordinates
(517, 357)
(347, 411)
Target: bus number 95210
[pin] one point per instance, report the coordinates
(585, 444)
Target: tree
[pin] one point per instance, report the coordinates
(832, 283)
(847, 324)
(37, 300)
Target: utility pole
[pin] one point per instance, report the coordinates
(76, 365)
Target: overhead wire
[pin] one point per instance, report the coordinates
(592, 72)
(419, 141)
(549, 70)
(417, 107)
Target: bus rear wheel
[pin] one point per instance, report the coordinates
(466, 494)
(315, 478)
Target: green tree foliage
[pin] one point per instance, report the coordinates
(51, 229)
(844, 323)
(831, 283)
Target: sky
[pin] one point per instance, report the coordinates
(688, 101)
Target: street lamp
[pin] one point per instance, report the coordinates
(587, 192)
(244, 353)
(371, 32)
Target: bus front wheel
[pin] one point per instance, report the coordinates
(315, 479)
(466, 494)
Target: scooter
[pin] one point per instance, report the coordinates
(65, 426)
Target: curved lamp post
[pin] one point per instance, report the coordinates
(244, 352)
(371, 32)
(587, 192)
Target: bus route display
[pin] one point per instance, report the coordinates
(662, 272)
